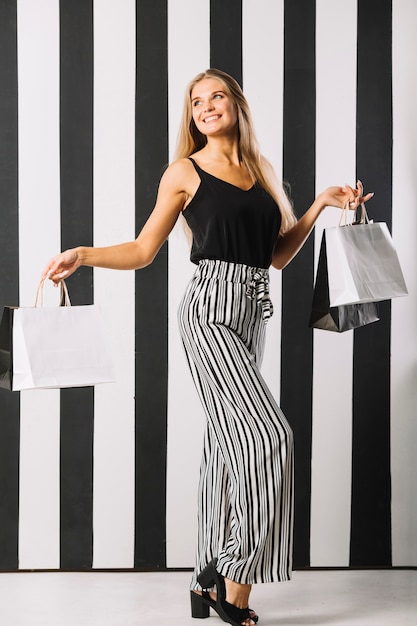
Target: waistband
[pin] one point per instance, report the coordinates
(232, 272)
(255, 278)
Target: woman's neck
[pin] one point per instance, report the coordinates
(223, 149)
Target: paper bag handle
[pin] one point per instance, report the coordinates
(363, 218)
(64, 299)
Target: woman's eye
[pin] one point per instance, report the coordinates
(218, 95)
(196, 103)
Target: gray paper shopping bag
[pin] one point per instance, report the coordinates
(363, 265)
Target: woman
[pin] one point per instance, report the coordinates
(241, 222)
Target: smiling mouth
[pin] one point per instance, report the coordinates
(211, 118)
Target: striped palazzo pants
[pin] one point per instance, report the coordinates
(245, 512)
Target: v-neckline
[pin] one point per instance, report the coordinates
(226, 182)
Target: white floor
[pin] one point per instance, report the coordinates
(128, 599)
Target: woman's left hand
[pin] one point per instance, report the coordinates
(290, 243)
(342, 196)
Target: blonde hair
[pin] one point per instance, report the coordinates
(190, 140)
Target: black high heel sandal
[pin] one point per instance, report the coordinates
(200, 605)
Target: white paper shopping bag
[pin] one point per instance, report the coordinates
(55, 347)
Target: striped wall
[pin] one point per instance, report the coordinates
(91, 100)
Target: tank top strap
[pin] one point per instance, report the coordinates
(198, 169)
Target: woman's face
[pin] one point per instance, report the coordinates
(214, 112)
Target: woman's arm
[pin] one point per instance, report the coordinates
(136, 254)
(289, 244)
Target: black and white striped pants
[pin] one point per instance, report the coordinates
(246, 484)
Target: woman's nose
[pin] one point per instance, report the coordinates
(208, 106)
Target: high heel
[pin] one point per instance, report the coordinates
(229, 613)
(200, 608)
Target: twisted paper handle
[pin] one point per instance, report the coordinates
(363, 219)
(64, 299)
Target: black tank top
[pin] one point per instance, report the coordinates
(230, 224)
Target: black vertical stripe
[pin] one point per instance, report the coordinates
(299, 171)
(9, 281)
(77, 405)
(151, 342)
(226, 37)
(371, 483)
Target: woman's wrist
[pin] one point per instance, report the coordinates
(81, 255)
(320, 202)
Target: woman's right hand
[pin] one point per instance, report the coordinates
(61, 266)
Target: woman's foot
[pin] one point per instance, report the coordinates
(238, 594)
(213, 598)
(231, 599)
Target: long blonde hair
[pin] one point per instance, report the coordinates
(190, 140)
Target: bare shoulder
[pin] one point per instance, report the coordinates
(179, 173)
(181, 177)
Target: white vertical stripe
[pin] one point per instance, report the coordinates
(39, 239)
(404, 318)
(114, 222)
(263, 77)
(332, 385)
(188, 55)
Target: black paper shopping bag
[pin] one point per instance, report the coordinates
(336, 318)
